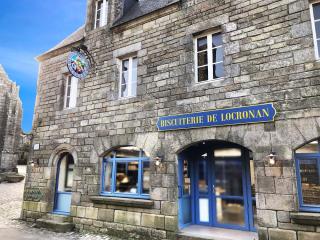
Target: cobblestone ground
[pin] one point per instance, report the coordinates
(11, 228)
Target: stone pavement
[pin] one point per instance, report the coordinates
(11, 228)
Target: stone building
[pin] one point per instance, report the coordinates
(10, 122)
(103, 158)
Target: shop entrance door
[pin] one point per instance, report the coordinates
(64, 181)
(221, 192)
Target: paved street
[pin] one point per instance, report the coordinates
(11, 228)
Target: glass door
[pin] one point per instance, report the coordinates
(228, 190)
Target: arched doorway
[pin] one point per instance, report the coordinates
(64, 181)
(216, 186)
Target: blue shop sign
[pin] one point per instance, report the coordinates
(231, 116)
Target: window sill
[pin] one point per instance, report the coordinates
(305, 218)
(127, 202)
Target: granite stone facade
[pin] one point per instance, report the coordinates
(268, 58)
(10, 122)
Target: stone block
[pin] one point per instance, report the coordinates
(152, 220)
(280, 234)
(267, 218)
(308, 236)
(169, 208)
(280, 202)
(171, 223)
(92, 213)
(106, 215)
(266, 185)
(131, 218)
(81, 212)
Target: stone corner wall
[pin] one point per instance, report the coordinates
(10, 122)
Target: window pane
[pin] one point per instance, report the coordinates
(124, 84)
(202, 44)
(310, 181)
(186, 178)
(217, 54)
(69, 179)
(127, 177)
(316, 11)
(317, 26)
(146, 177)
(127, 152)
(202, 74)
(218, 70)
(216, 40)
(125, 65)
(230, 211)
(318, 42)
(311, 147)
(203, 176)
(202, 58)
(228, 177)
(204, 210)
(108, 176)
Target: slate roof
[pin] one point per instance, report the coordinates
(72, 38)
(134, 9)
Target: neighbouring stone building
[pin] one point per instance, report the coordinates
(10, 122)
(102, 157)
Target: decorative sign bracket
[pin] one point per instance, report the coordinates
(80, 61)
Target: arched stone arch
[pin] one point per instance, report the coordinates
(63, 148)
(148, 142)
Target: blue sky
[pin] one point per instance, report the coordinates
(27, 29)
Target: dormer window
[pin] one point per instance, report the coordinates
(101, 14)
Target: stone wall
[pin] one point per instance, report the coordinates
(269, 57)
(10, 122)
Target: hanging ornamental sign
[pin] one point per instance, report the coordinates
(79, 62)
(221, 117)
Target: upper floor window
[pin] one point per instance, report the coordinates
(209, 57)
(101, 13)
(128, 77)
(71, 91)
(126, 173)
(308, 176)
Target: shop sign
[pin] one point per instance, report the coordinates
(78, 64)
(231, 116)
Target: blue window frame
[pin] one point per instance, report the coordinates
(126, 173)
(308, 176)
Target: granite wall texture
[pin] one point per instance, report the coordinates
(268, 57)
(10, 122)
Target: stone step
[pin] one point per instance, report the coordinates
(55, 226)
(58, 218)
(195, 232)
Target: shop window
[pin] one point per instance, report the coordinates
(308, 176)
(126, 173)
(209, 57)
(128, 77)
(71, 91)
(315, 19)
(101, 13)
